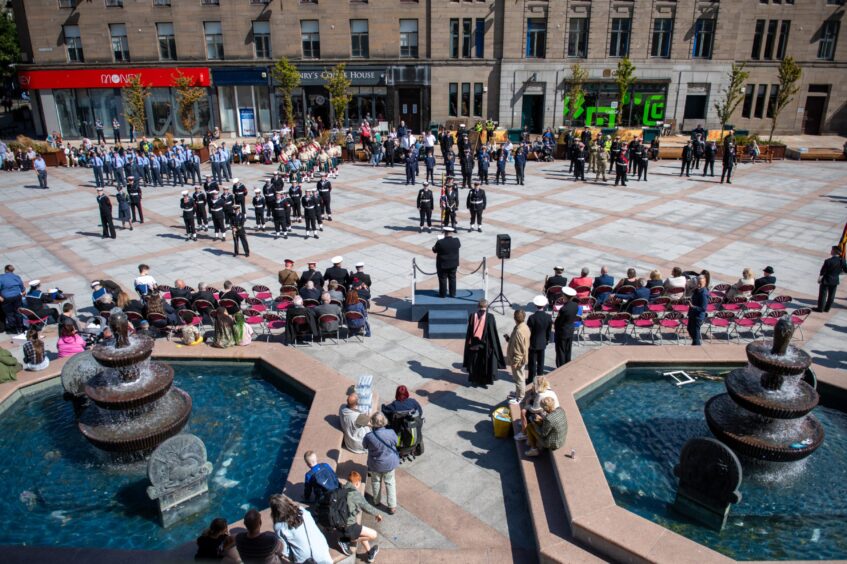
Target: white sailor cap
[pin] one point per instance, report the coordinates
(426, 183)
(258, 190)
(448, 229)
(235, 181)
(559, 268)
(35, 282)
(184, 192)
(95, 283)
(360, 264)
(568, 291)
(540, 301)
(337, 259)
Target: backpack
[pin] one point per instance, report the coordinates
(326, 479)
(333, 512)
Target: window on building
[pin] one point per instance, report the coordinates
(67, 3)
(466, 99)
(161, 2)
(828, 39)
(262, 39)
(619, 40)
(536, 38)
(479, 38)
(467, 27)
(477, 99)
(782, 46)
(772, 99)
(120, 44)
(359, 41)
(704, 36)
(695, 106)
(210, 2)
(760, 100)
(747, 106)
(409, 39)
(311, 39)
(454, 38)
(453, 100)
(758, 33)
(578, 38)
(662, 34)
(770, 39)
(73, 43)
(167, 41)
(114, 3)
(214, 40)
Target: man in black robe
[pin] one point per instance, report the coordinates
(564, 327)
(483, 355)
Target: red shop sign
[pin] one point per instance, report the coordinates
(108, 78)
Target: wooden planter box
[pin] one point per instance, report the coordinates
(203, 153)
(55, 158)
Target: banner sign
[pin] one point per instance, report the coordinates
(108, 78)
(356, 76)
(248, 122)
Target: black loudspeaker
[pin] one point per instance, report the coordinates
(504, 246)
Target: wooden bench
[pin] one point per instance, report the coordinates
(744, 156)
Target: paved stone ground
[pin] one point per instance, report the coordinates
(464, 495)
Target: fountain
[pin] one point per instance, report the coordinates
(765, 413)
(135, 405)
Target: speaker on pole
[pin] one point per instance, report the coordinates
(504, 246)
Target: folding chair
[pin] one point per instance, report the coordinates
(722, 288)
(583, 291)
(273, 321)
(301, 328)
(713, 305)
(660, 305)
(255, 303)
(626, 290)
(591, 321)
(767, 289)
(327, 320)
(134, 317)
(553, 293)
(619, 323)
(241, 292)
(646, 320)
(159, 321)
(657, 292)
(354, 316)
(681, 306)
(670, 323)
(31, 318)
(635, 305)
(611, 305)
(254, 319)
(675, 294)
(311, 303)
(190, 317)
(231, 306)
(735, 304)
(779, 303)
(756, 303)
(179, 303)
(262, 292)
(720, 320)
(289, 290)
(748, 321)
(771, 318)
(798, 317)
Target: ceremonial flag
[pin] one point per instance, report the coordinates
(842, 245)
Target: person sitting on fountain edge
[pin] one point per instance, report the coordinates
(319, 480)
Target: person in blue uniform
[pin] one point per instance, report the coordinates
(697, 310)
(446, 252)
(97, 167)
(502, 157)
(483, 162)
(411, 166)
(429, 162)
(520, 164)
(829, 278)
(476, 204)
(104, 204)
(450, 164)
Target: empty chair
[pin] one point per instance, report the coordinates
(722, 288)
(255, 303)
(714, 304)
(720, 320)
(771, 318)
(273, 322)
(779, 303)
(262, 292)
(670, 323)
(618, 323)
(681, 306)
(240, 291)
(748, 321)
(591, 321)
(660, 305)
(31, 319)
(735, 304)
(646, 320)
(254, 319)
(612, 304)
(798, 317)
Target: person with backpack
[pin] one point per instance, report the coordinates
(383, 459)
(348, 502)
(320, 478)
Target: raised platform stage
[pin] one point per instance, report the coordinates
(447, 318)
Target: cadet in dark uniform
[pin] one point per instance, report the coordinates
(450, 164)
(556, 280)
(483, 162)
(311, 213)
(269, 193)
(467, 168)
(630, 149)
(209, 184)
(390, 149)
(699, 151)
(620, 168)
(295, 192)
(216, 208)
(359, 276)
(239, 191)
(500, 176)
(200, 203)
(282, 215)
(311, 275)
(476, 204)
(239, 233)
(520, 164)
(579, 162)
(614, 151)
(325, 196)
(229, 205)
(687, 155)
(188, 207)
(449, 204)
(429, 162)
(728, 162)
(411, 167)
(134, 191)
(425, 205)
(540, 330)
(709, 155)
(105, 206)
(643, 161)
(259, 208)
(337, 272)
(446, 262)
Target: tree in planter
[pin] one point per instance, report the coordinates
(789, 77)
(625, 79)
(575, 96)
(136, 103)
(10, 50)
(338, 86)
(287, 78)
(187, 94)
(732, 94)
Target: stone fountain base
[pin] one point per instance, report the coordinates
(178, 471)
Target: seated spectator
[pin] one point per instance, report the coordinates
(354, 532)
(547, 431)
(655, 279)
(100, 297)
(765, 280)
(144, 283)
(180, 290)
(69, 343)
(203, 294)
(319, 479)
(582, 280)
(190, 335)
(229, 294)
(224, 330)
(106, 337)
(302, 540)
(362, 290)
(603, 280)
(144, 329)
(352, 303)
(36, 300)
(402, 402)
(155, 304)
(354, 424)
(215, 543)
(255, 545)
(745, 280)
(309, 292)
(243, 332)
(630, 280)
(692, 283)
(383, 460)
(34, 357)
(532, 402)
(336, 291)
(676, 279)
(9, 366)
(556, 280)
(327, 308)
(294, 310)
(125, 304)
(641, 292)
(68, 313)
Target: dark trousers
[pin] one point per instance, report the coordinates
(476, 217)
(311, 223)
(188, 219)
(10, 311)
(466, 179)
(642, 169)
(500, 176)
(108, 226)
(326, 205)
(98, 176)
(243, 203)
(709, 165)
(260, 216)
(535, 363)
(136, 206)
(686, 168)
(240, 235)
(430, 175)
(202, 218)
(157, 177)
(695, 322)
(426, 215)
(218, 220)
(449, 217)
(410, 175)
(117, 136)
(447, 277)
(101, 136)
(696, 162)
(295, 207)
(620, 175)
(483, 175)
(826, 295)
(727, 173)
(563, 350)
(519, 174)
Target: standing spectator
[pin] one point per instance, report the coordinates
(34, 357)
(540, 328)
(11, 297)
(697, 310)
(517, 354)
(356, 503)
(354, 424)
(98, 127)
(565, 323)
(383, 459)
(40, 171)
(829, 278)
(116, 130)
(302, 540)
(255, 546)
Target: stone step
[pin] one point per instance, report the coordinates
(448, 316)
(445, 331)
(428, 300)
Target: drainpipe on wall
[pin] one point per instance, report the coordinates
(676, 104)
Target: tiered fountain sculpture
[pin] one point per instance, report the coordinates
(136, 406)
(765, 413)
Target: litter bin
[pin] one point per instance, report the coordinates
(502, 421)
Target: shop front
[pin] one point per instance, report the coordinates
(71, 101)
(643, 106)
(244, 100)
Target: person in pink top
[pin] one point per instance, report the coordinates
(583, 280)
(69, 343)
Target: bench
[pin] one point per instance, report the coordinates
(744, 156)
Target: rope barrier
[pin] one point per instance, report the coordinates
(425, 273)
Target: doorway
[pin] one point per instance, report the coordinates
(532, 112)
(410, 107)
(814, 114)
(317, 102)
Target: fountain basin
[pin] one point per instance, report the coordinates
(139, 349)
(796, 401)
(108, 391)
(795, 361)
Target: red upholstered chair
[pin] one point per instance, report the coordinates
(190, 317)
(273, 322)
(626, 290)
(779, 303)
(254, 319)
(241, 292)
(600, 290)
(231, 306)
(771, 318)
(675, 293)
(749, 321)
(134, 317)
(356, 317)
(179, 303)
(262, 292)
(713, 305)
(591, 321)
(618, 323)
(722, 288)
(659, 305)
(656, 292)
(647, 320)
(720, 320)
(325, 321)
(612, 304)
(767, 289)
(670, 323)
(311, 303)
(255, 303)
(681, 306)
(301, 328)
(31, 318)
(798, 317)
(735, 304)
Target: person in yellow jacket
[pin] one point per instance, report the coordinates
(517, 354)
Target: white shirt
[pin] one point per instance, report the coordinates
(146, 280)
(429, 141)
